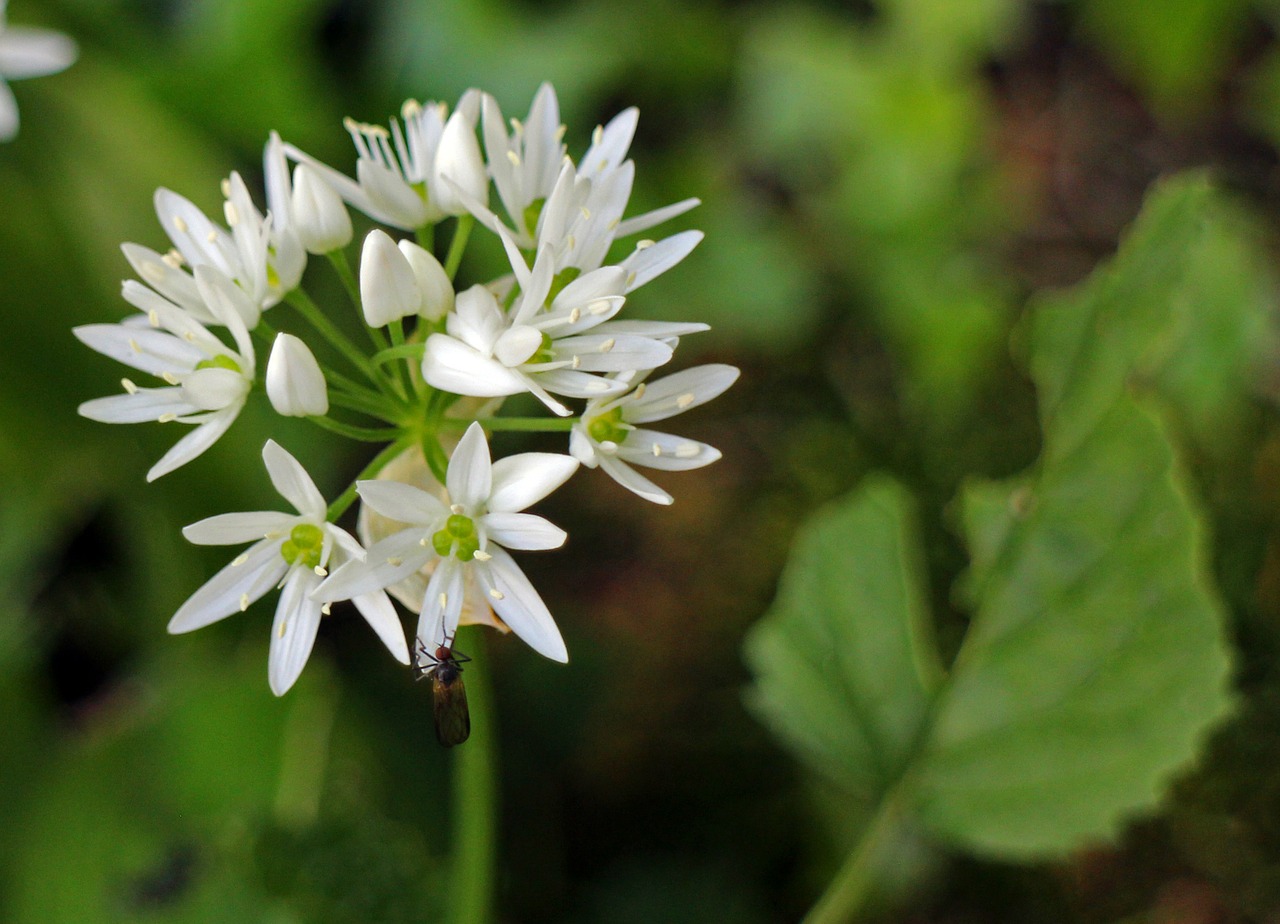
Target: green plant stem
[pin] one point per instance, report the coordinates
(339, 506)
(526, 424)
(426, 236)
(461, 232)
(364, 434)
(363, 404)
(303, 304)
(475, 795)
(848, 891)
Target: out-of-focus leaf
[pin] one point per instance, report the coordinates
(844, 666)
(1176, 50)
(1095, 662)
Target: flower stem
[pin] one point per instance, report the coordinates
(475, 796)
(303, 304)
(848, 891)
(528, 424)
(461, 232)
(339, 506)
(364, 434)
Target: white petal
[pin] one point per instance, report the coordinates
(453, 366)
(229, 304)
(458, 164)
(517, 345)
(607, 282)
(316, 212)
(295, 384)
(434, 287)
(610, 353)
(674, 394)
(388, 287)
(30, 52)
(470, 475)
(247, 578)
(387, 562)
(142, 406)
(292, 482)
(522, 480)
(523, 531)
(392, 201)
(194, 443)
(212, 389)
(614, 141)
(638, 223)
(293, 633)
(174, 284)
(442, 603)
(655, 329)
(478, 319)
(198, 239)
(650, 262)
(162, 313)
(632, 480)
(8, 113)
(235, 528)
(666, 452)
(519, 605)
(579, 384)
(379, 612)
(403, 502)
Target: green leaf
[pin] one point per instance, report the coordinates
(844, 668)
(1095, 662)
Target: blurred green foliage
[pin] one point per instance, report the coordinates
(885, 185)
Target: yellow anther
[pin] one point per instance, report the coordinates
(170, 377)
(608, 345)
(239, 560)
(128, 386)
(497, 594)
(180, 224)
(685, 400)
(167, 418)
(244, 602)
(514, 158)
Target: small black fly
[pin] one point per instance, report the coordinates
(444, 667)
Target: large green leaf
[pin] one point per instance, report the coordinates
(1095, 661)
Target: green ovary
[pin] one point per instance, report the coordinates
(221, 361)
(544, 353)
(304, 546)
(608, 428)
(458, 538)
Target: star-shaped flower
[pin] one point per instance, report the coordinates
(292, 552)
(464, 539)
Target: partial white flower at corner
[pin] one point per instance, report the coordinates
(208, 381)
(295, 384)
(464, 538)
(260, 253)
(413, 176)
(608, 435)
(292, 552)
(27, 52)
(563, 348)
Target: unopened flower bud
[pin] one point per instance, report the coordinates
(320, 217)
(434, 287)
(388, 286)
(295, 383)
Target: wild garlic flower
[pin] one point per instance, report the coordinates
(27, 52)
(413, 176)
(292, 552)
(465, 537)
(562, 348)
(607, 434)
(295, 382)
(208, 381)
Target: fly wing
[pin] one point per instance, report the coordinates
(453, 720)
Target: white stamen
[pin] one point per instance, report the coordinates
(455, 508)
(586, 213)
(482, 555)
(657, 450)
(189, 336)
(497, 594)
(320, 570)
(576, 362)
(169, 417)
(687, 450)
(326, 608)
(173, 259)
(597, 136)
(395, 562)
(128, 386)
(575, 315)
(514, 158)
(645, 244)
(133, 345)
(180, 224)
(153, 318)
(685, 400)
(170, 377)
(153, 271)
(225, 186)
(613, 225)
(444, 600)
(608, 345)
(639, 392)
(598, 307)
(212, 237)
(244, 602)
(239, 560)
(283, 625)
(560, 132)
(232, 214)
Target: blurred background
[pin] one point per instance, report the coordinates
(885, 184)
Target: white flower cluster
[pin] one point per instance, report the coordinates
(27, 52)
(438, 515)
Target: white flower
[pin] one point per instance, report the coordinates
(292, 552)
(463, 538)
(577, 211)
(265, 262)
(27, 52)
(561, 349)
(319, 215)
(295, 383)
(409, 178)
(607, 435)
(207, 380)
